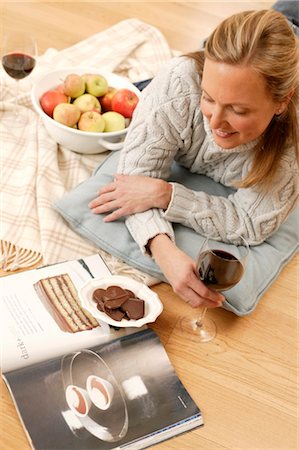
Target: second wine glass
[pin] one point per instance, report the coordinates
(19, 51)
(220, 267)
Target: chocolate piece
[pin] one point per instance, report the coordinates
(131, 294)
(114, 292)
(134, 308)
(115, 314)
(119, 303)
(114, 303)
(101, 306)
(98, 294)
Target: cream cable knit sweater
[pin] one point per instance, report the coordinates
(168, 125)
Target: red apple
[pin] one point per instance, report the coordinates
(50, 99)
(59, 88)
(124, 102)
(105, 100)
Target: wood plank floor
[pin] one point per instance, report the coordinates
(246, 380)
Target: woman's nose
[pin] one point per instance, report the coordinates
(217, 117)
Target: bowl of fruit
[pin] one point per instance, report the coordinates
(84, 109)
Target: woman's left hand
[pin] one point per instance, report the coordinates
(130, 194)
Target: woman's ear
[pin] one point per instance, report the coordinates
(282, 106)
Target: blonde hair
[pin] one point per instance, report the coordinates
(264, 41)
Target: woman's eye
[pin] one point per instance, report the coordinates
(237, 111)
(207, 99)
(240, 113)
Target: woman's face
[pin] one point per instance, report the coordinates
(236, 103)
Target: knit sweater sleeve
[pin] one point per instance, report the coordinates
(255, 213)
(160, 127)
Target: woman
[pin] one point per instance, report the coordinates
(229, 112)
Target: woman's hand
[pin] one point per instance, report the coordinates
(180, 271)
(129, 194)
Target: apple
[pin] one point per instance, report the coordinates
(67, 114)
(60, 88)
(91, 121)
(114, 121)
(105, 100)
(74, 85)
(124, 102)
(96, 85)
(50, 99)
(87, 102)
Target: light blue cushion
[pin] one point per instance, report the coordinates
(264, 264)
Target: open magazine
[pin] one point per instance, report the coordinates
(78, 383)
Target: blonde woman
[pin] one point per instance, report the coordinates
(228, 112)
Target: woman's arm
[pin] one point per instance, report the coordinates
(131, 194)
(255, 213)
(160, 128)
(180, 271)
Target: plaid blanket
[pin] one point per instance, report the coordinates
(35, 170)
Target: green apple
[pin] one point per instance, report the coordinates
(87, 102)
(73, 85)
(96, 85)
(91, 121)
(113, 121)
(67, 114)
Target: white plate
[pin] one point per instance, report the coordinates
(152, 304)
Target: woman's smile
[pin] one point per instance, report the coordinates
(223, 133)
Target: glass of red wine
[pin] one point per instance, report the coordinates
(19, 51)
(220, 267)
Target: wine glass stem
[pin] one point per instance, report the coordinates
(199, 321)
(16, 98)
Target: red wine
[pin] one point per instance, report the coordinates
(18, 65)
(219, 270)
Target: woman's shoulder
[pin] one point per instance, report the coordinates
(178, 77)
(183, 65)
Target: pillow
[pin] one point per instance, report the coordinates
(265, 261)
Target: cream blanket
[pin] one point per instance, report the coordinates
(35, 171)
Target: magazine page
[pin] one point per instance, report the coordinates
(36, 325)
(122, 394)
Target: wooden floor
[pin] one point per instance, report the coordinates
(245, 381)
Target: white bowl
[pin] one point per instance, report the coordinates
(77, 140)
(152, 304)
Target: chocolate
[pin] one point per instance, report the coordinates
(119, 303)
(114, 303)
(131, 294)
(114, 292)
(98, 294)
(134, 308)
(101, 306)
(115, 314)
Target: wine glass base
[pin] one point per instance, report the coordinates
(197, 331)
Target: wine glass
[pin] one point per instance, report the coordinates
(220, 266)
(19, 51)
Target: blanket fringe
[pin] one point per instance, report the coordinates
(13, 257)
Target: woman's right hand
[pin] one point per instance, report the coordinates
(180, 271)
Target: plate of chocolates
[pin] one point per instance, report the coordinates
(120, 301)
